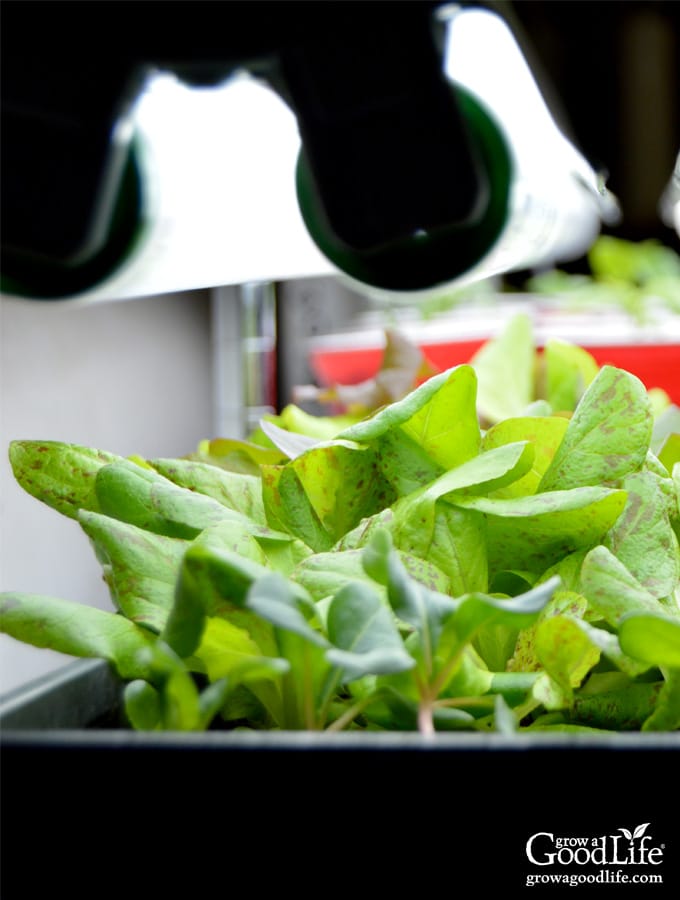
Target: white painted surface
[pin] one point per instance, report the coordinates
(125, 377)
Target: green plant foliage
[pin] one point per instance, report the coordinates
(478, 554)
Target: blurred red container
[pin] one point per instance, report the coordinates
(650, 352)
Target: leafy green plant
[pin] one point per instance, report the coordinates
(634, 276)
(496, 550)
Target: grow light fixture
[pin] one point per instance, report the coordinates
(402, 161)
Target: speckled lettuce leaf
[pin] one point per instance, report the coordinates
(343, 483)
(396, 413)
(544, 434)
(505, 371)
(568, 370)
(59, 474)
(404, 464)
(608, 436)
(643, 538)
(563, 602)
(447, 427)
(289, 509)
(451, 539)
(237, 456)
(234, 490)
(140, 567)
(535, 532)
(141, 496)
(225, 648)
(611, 589)
(76, 630)
(566, 655)
(488, 471)
(653, 638)
(432, 429)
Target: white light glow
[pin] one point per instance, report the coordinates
(558, 201)
(219, 175)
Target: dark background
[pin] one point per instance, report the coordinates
(610, 70)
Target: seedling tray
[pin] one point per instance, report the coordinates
(69, 759)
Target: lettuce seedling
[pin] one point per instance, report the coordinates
(470, 556)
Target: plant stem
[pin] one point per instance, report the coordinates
(447, 671)
(308, 693)
(350, 715)
(463, 701)
(425, 720)
(328, 695)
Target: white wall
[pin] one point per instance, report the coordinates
(128, 377)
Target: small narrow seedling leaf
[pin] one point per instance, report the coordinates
(365, 637)
(504, 718)
(179, 698)
(142, 705)
(212, 581)
(375, 555)
(272, 597)
(413, 603)
(477, 610)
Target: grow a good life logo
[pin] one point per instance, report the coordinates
(627, 856)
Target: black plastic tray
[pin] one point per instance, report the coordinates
(470, 799)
